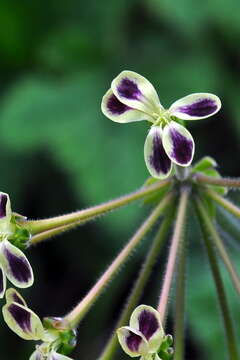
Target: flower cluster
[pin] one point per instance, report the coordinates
(133, 98)
(144, 335)
(26, 324)
(13, 263)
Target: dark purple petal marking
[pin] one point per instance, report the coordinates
(3, 205)
(182, 147)
(133, 341)
(159, 160)
(18, 266)
(115, 106)
(129, 89)
(1, 281)
(201, 107)
(17, 299)
(148, 324)
(21, 316)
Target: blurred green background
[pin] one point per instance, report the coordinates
(59, 153)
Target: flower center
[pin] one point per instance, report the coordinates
(162, 118)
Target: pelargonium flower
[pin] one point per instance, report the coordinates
(26, 324)
(133, 98)
(13, 263)
(144, 335)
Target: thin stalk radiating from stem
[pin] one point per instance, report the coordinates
(221, 294)
(139, 285)
(209, 180)
(179, 319)
(226, 204)
(172, 257)
(37, 226)
(56, 231)
(218, 243)
(75, 316)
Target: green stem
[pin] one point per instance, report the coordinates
(222, 298)
(182, 173)
(180, 309)
(218, 243)
(37, 226)
(209, 180)
(75, 316)
(54, 232)
(226, 204)
(138, 288)
(173, 252)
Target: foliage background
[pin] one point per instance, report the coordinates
(59, 153)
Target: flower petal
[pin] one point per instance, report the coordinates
(2, 283)
(23, 321)
(196, 106)
(118, 111)
(158, 163)
(13, 296)
(147, 320)
(136, 91)
(36, 356)
(5, 213)
(132, 341)
(56, 356)
(178, 143)
(16, 266)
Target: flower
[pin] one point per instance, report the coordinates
(133, 98)
(13, 263)
(26, 324)
(144, 335)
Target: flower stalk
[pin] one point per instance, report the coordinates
(210, 180)
(226, 204)
(179, 319)
(221, 294)
(45, 235)
(140, 284)
(173, 253)
(38, 226)
(218, 243)
(75, 316)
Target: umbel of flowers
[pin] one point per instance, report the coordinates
(26, 324)
(133, 98)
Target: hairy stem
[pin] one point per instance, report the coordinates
(138, 288)
(204, 179)
(221, 294)
(226, 204)
(172, 257)
(179, 319)
(218, 243)
(56, 231)
(37, 226)
(74, 317)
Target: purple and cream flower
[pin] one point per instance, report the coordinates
(133, 98)
(26, 324)
(144, 335)
(13, 263)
